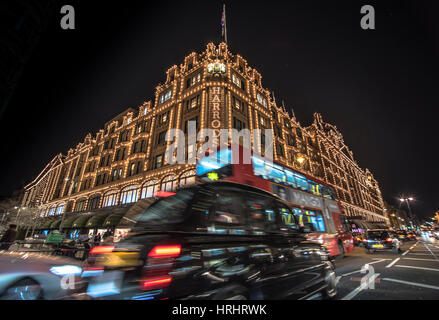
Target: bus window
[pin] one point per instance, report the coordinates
(314, 188)
(302, 182)
(287, 218)
(316, 218)
(291, 181)
(308, 217)
(268, 170)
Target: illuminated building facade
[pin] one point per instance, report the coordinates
(125, 161)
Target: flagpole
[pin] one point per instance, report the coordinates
(225, 22)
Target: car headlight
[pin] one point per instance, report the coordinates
(66, 270)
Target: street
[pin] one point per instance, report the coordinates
(410, 275)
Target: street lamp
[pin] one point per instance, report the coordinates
(300, 159)
(407, 200)
(72, 185)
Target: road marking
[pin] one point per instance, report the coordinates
(431, 252)
(363, 286)
(412, 267)
(406, 252)
(420, 259)
(393, 262)
(411, 283)
(419, 254)
(337, 279)
(349, 273)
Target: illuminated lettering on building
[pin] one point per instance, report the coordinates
(216, 104)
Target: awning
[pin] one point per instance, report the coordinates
(81, 221)
(129, 219)
(55, 224)
(68, 222)
(360, 224)
(112, 220)
(96, 221)
(46, 225)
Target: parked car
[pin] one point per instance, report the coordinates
(381, 239)
(218, 240)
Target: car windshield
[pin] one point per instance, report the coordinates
(167, 210)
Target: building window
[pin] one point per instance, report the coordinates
(98, 180)
(261, 100)
(193, 80)
(93, 203)
(149, 189)
(238, 81)
(186, 125)
(163, 117)
(131, 169)
(166, 96)
(161, 137)
(187, 178)
(238, 104)
(51, 211)
(262, 120)
(124, 136)
(80, 205)
(59, 209)
(158, 161)
(193, 103)
(168, 183)
(238, 124)
(110, 199)
(129, 194)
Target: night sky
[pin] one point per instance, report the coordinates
(379, 87)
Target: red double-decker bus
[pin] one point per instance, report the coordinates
(313, 202)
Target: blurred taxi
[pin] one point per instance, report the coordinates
(218, 240)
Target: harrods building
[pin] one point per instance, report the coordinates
(117, 169)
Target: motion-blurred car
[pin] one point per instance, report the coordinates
(411, 236)
(358, 238)
(381, 239)
(218, 240)
(30, 276)
(402, 235)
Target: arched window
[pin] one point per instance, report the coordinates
(59, 209)
(187, 178)
(110, 199)
(93, 202)
(80, 205)
(129, 194)
(149, 189)
(169, 183)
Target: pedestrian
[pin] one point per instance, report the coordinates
(8, 237)
(86, 249)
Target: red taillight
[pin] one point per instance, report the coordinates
(156, 283)
(101, 249)
(159, 264)
(389, 239)
(165, 251)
